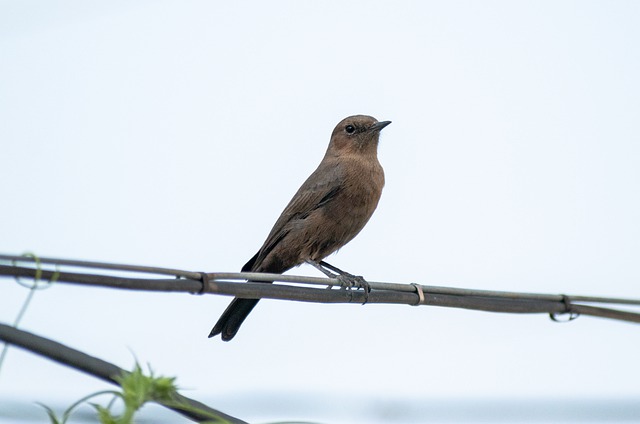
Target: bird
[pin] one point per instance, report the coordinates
(327, 211)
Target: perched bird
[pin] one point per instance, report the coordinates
(327, 212)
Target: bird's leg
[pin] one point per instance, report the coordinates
(327, 265)
(346, 279)
(323, 270)
(344, 283)
(356, 280)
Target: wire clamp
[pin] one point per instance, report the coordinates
(204, 278)
(418, 288)
(568, 309)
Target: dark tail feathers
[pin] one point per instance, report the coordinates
(232, 318)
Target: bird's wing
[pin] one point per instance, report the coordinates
(320, 188)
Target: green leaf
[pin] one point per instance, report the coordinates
(104, 415)
(52, 415)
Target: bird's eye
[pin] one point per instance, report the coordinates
(350, 129)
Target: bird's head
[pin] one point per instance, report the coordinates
(356, 134)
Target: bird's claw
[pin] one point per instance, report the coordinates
(347, 281)
(350, 281)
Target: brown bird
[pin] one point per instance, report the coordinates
(327, 212)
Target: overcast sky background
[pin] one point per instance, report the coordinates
(174, 133)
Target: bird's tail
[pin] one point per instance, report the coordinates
(232, 318)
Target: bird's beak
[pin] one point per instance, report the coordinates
(378, 126)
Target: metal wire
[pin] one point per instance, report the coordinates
(297, 288)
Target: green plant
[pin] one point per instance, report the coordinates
(136, 390)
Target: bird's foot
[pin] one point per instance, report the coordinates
(347, 281)
(350, 282)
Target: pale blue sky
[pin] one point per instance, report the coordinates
(173, 134)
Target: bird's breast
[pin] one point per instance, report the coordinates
(339, 219)
(358, 198)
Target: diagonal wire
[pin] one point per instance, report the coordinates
(106, 371)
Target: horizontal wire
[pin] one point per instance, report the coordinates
(226, 283)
